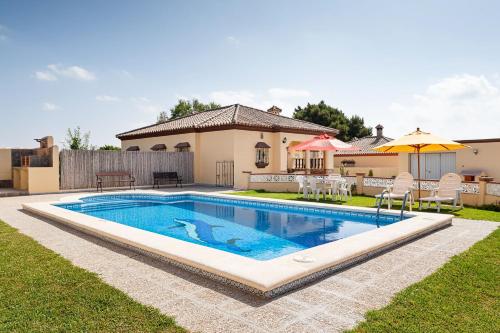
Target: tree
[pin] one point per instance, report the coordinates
(357, 128)
(162, 117)
(110, 147)
(75, 140)
(186, 108)
(326, 115)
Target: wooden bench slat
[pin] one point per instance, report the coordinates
(169, 176)
(100, 175)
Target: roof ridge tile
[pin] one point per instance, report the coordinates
(211, 118)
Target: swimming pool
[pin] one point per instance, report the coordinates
(263, 246)
(256, 230)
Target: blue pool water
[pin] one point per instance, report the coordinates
(252, 229)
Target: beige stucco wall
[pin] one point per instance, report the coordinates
(377, 172)
(213, 146)
(170, 141)
(487, 159)
(491, 200)
(384, 161)
(44, 180)
(38, 179)
(381, 166)
(244, 161)
(5, 164)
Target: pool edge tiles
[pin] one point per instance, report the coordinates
(265, 278)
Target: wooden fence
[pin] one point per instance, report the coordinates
(78, 167)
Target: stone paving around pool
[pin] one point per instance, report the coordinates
(330, 305)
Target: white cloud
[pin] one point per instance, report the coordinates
(233, 40)
(145, 105)
(281, 93)
(228, 97)
(140, 100)
(457, 107)
(45, 76)
(50, 107)
(74, 72)
(462, 87)
(107, 98)
(55, 71)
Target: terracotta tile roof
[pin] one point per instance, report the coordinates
(366, 144)
(227, 117)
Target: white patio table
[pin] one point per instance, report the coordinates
(327, 184)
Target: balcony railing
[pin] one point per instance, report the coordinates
(314, 163)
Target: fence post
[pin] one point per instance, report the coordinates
(483, 182)
(359, 182)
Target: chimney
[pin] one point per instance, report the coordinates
(380, 131)
(274, 110)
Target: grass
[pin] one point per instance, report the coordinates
(471, 213)
(462, 296)
(42, 292)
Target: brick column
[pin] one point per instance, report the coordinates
(483, 181)
(359, 182)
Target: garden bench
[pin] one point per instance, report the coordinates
(169, 177)
(115, 176)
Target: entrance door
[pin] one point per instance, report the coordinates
(224, 173)
(433, 165)
(448, 163)
(414, 164)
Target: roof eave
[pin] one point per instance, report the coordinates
(124, 136)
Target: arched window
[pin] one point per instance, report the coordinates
(159, 147)
(182, 147)
(133, 148)
(261, 154)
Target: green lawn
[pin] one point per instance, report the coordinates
(462, 296)
(42, 292)
(466, 212)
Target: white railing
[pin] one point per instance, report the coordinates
(426, 185)
(493, 189)
(288, 178)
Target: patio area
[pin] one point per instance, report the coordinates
(332, 304)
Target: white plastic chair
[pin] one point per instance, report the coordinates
(344, 190)
(402, 184)
(302, 185)
(333, 181)
(313, 188)
(449, 190)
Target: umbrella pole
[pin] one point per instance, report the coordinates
(418, 165)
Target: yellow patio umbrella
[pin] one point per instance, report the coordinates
(419, 142)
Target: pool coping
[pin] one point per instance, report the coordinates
(264, 278)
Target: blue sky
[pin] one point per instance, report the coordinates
(111, 66)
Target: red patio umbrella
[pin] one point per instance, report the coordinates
(324, 142)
